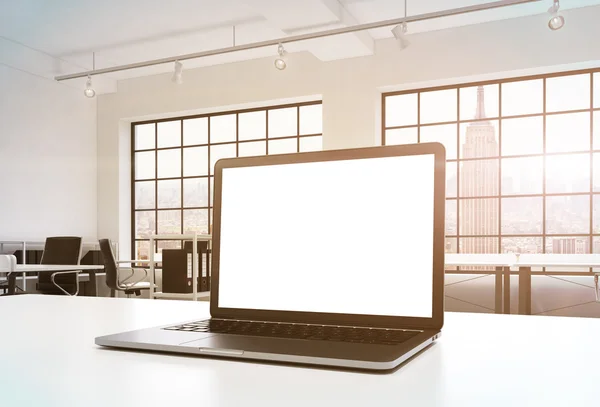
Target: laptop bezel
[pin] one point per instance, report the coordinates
(437, 319)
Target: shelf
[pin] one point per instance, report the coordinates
(188, 296)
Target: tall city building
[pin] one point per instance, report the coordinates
(570, 245)
(479, 178)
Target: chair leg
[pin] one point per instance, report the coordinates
(112, 293)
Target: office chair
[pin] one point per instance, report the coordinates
(60, 250)
(112, 273)
(7, 262)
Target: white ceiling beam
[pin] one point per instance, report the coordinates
(23, 58)
(316, 15)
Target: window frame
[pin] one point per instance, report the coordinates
(498, 119)
(209, 174)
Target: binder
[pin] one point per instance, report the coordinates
(204, 263)
(176, 271)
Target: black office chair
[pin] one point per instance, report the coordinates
(60, 250)
(112, 273)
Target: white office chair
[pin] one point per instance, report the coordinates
(8, 262)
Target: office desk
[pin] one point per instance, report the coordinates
(481, 360)
(501, 264)
(525, 262)
(49, 268)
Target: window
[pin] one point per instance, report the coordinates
(523, 159)
(173, 163)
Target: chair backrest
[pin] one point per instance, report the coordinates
(60, 250)
(8, 262)
(110, 264)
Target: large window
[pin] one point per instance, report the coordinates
(173, 162)
(523, 159)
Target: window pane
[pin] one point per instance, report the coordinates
(401, 136)
(283, 122)
(144, 165)
(445, 134)
(479, 178)
(596, 172)
(478, 102)
(195, 131)
(142, 250)
(283, 146)
(523, 136)
(478, 217)
(597, 89)
(568, 132)
(451, 180)
(597, 129)
(169, 222)
(252, 125)
(522, 175)
(522, 216)
(451, 211)
(596, 248)
(195, 161)
(311, 119)
(167, 244)
(144, 224)
(438, 106)
(169, 134)
(568, 245)
(401, 110)
(568, 93)
(169, 193)
(568, 173)
(218, 152)
(479, 139)
(255, 148)
(523, 97)
(195, 192)
(144, 136)
(313, 143)
(144, 195)
(478, 245)
(596, 214)
(211, 189)
(169, 163)
(530, 245)
(451, 246)
(222, 128)
(567, 214)
(195, 220)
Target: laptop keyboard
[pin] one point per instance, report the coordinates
(332, 333)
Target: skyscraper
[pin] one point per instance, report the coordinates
(479, 178)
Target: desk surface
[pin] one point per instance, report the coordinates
(22, 268)
(481, 360)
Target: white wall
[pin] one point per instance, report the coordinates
(47, 159)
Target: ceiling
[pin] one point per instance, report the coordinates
(49, 38)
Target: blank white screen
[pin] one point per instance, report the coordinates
(350, 237)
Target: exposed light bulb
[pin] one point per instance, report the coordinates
(89, 91)
(399, 33)
(556, 21)
(280, 61)
(178, 73)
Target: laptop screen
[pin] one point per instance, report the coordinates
(348, 236)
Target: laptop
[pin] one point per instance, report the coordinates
(332, 258)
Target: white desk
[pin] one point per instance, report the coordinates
(48, 268)
(501, 264)
(525, 262)
(481, 360)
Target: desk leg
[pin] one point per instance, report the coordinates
(507, 290)
(498, 290)
(525, 290)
